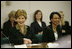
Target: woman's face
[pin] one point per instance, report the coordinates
(12, 19)
(20, 20)
(38, 16)
(55, 20)
(62, 16)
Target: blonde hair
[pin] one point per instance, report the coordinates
(12, 14)
(62, 14)
(20, 12)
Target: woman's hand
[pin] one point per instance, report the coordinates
(63, 31)
(27, 41)
(40, 33)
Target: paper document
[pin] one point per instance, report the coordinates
(33, 44)
(20, 46)
(52, 45)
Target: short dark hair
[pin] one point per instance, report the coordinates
(36, 13)
(51, 15)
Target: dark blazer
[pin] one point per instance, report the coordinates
(7, 27)
(48, 35)
(35, 27)
(67, 28)
(17, 37)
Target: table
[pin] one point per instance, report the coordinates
(40, 45)
(64, 42)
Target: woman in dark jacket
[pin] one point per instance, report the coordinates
(53, 31)
(8, 25)
(21, 34)
(66, 29)
(17, 37)
(38, 25)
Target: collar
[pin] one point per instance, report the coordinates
(18, 28)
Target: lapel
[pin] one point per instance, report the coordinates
(18, 29)
(52, 32)
(39, 25)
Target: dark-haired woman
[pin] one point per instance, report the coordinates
(53, 31)
(38, 25)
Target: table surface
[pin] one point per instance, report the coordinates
(40, 45)
(64, 42)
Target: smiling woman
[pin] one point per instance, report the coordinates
(21, 33)
(38, 25)
(53, 31)
(21, 16)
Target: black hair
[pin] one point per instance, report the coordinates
(51, 15)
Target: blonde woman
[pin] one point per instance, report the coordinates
(21, 32)
(64, 24)
(8, 25)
